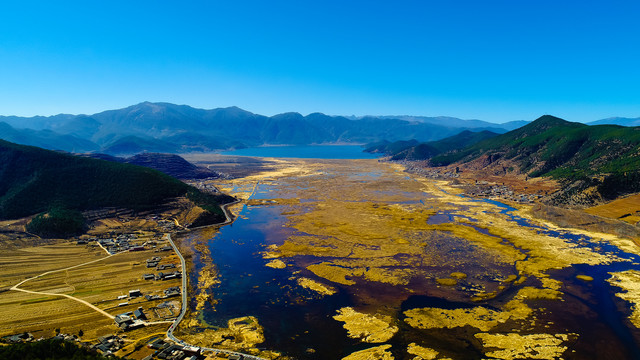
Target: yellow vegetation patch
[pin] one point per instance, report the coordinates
(447, 281)
(584, 277)
(458, 275)
(478, 317)
(422, 353)
(630, 282)
(529, 292)
(316, 286)
(242, 333)
(374, 353)
(276, 264)
(516, 346)
(368, 328)
(334, 273)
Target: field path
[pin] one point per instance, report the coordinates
(16, 287)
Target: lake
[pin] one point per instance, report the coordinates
(306, 152)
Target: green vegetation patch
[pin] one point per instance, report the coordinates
(58, 223)
(51, 349)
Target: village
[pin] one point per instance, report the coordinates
(474, 185)
(141, 292)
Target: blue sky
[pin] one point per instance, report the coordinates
(490, 60)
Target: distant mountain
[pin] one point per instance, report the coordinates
(46, 139)
(468, 124)
(164, 127)
(412, 150)
(603, 158)
(617, 121)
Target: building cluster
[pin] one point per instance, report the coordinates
(109, 344)
(131, 320)
(22, 337)
(167, 225)
(206, 187)
(433, 173)
(167, 351)
(169, 292)
(154, 263)
(116, 245)
(484, 189)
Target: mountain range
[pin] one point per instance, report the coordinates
(170, 128)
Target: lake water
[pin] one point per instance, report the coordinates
(306, 152)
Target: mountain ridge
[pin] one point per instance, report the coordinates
(224, 128)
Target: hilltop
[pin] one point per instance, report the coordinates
(170, 164)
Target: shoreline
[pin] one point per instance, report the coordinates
(229, 219)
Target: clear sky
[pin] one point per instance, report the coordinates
(489, 60)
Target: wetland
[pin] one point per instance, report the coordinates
(358, 259)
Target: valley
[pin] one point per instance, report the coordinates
(353, 259)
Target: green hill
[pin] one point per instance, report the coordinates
(412, 150)
(606, 157)
(34, 180)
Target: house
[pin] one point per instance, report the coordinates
(134, 293)
(122, 297)
(136, 248)
(123, 321)
(166, 248)
(20, 337)
(148, 277)
(123, 304)
(172, 352)
(152, 264)
(158, 344)
(172, 291)
(193, 350)
(139, 314)
(132, 325)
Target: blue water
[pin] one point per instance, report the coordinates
(306, 152)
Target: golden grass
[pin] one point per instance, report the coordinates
(367, 328)
(629, 282)
(517, 346)
(422, 352)
(374, 353)
(626, 209)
